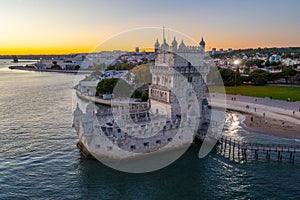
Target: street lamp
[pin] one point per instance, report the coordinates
(236, 63)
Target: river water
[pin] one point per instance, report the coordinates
(39, 158)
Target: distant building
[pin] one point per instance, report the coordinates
(137, 49)
(107, 96)
(274, 58)
(213, 51)
(15, 59)
(63, 63)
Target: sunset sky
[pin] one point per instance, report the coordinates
(66, 26)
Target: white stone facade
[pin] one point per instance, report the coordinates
(178, 78)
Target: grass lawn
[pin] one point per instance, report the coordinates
(276, 92)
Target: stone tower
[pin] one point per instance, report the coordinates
(178, 80)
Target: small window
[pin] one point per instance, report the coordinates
(169, 139)
(146, 144)
(180, 136)
(132, 147)
(158, 142)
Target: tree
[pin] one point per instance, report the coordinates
(144, 96)
(142, 75)
(275, 76)
(121, 66)
(137, 94)
(213, 75)
(55, 66)
(77, 67)
(288, 72)
(259, 77)
(229, 77)
(238, 78)
(140, 94)
(246, 70)
(119, 87)
(106, 86)
(96, 73)
(123, 89)
(256, 62)
(296, 78)
(100, 67)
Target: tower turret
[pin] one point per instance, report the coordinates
(182, 46)
(202, 44)
(174, 45)
(165, 46)
(77, 117)
(156, 46)
(90, 109)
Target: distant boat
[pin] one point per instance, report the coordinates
(15, 59)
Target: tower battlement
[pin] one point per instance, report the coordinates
(181, 48)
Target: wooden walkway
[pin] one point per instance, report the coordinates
(237, 150)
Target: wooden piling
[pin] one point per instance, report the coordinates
(256, 155)
(256, 147)
(233, 150)
(239, 149)
(268, 155)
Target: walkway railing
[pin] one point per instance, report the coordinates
(237, 150)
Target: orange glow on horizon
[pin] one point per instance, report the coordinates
(43, 51)
(25, 49)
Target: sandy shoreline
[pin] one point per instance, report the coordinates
(267, 114)
(271, 126)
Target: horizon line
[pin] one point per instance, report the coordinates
(141, 50)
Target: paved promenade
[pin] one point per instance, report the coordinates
(276, 109)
